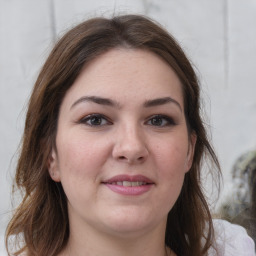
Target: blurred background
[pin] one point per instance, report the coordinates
(218, 36)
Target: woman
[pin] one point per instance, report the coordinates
(112, 148)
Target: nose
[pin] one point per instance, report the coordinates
(130, 146)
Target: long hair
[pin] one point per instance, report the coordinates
(41, 220)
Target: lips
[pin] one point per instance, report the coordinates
(129, 181)
(129, 185)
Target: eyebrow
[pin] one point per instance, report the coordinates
(161, 101)
(95, 99)
(112, 103)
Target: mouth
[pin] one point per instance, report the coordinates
(129, 185)
(126, 183)
(129, 180)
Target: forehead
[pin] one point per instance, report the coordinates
(127, 74)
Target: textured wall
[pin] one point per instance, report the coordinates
(219, 36)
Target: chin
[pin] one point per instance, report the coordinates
(131, 221)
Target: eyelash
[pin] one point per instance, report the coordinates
(90, 118)
(168, 121)
(101, 120)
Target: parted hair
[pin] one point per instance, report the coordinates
(40, 224)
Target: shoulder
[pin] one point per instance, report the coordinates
(231, 240)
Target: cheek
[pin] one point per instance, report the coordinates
(170, 161)
(81, 156)
(80, 164)
(172, 156)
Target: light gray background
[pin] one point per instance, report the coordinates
(219, 36)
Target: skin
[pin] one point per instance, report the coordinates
(124, 138)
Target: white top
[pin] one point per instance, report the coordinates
(231, 240)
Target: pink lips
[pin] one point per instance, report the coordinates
(129, 185)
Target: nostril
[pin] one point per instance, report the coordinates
(130, 159)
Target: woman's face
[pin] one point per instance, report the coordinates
(122, 145)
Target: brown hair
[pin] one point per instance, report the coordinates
(41, 219)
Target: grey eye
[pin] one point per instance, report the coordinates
(160, 120)
(95, 120)
(157, 121)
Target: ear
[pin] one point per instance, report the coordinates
(53, 166)
(191, 150)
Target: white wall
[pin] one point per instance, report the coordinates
(219, 36)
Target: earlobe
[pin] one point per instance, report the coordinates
(53, 166)
(191, 150)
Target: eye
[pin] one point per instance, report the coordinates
(95, 120)
(160, 121)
